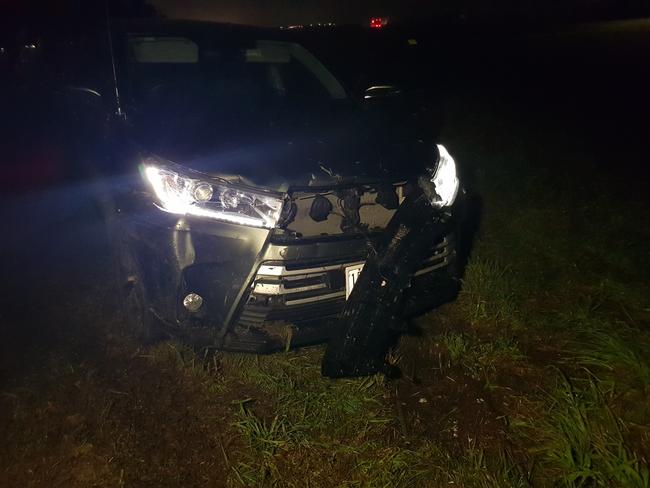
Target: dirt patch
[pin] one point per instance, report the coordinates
(122, 418)
(453, 410)
(471, 400)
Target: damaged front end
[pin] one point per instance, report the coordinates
(374, 311)
(234, 267)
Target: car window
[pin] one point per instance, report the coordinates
(300, 71)
(181, 71)
(164, 50)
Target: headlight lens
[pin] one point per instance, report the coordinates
(441, 187)
(188, 195)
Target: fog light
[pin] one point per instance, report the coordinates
(192, 302)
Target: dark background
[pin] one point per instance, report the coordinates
(259, 12)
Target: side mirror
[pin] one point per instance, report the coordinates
(381, 92)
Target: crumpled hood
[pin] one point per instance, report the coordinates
(279, 154)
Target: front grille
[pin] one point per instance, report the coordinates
(300, 293)
(255, 316)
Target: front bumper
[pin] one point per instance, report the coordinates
(260, 295)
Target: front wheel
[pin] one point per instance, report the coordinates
(131, 295)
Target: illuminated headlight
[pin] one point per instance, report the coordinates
(186, 194)
(441, 185)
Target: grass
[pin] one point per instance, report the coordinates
(558, 274)
(297, 425)
(308, 418)
(305, 399)
(457, 347)
(488, 294)
(584, 438)
(264, 437)
(480, 359)
(618, 354)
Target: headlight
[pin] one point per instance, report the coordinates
(191, 195)
(441, 185)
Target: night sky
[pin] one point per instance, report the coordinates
(284, 11)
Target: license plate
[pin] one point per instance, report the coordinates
(351, 276)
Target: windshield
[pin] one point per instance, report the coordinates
(179, 76)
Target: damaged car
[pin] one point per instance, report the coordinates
(245, 188)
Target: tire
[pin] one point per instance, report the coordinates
(130, 293)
